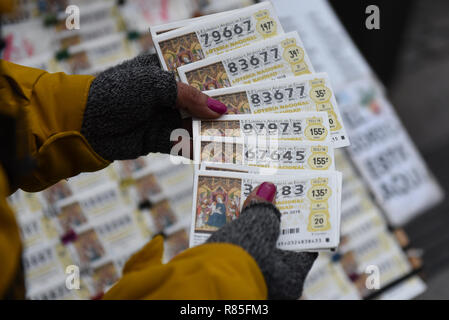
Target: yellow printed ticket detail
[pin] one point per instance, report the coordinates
(275, 58)
(307, 223)
(210, 36)
(311, 92)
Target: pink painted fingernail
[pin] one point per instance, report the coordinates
(70, 236)
(216, 106)
(267, 191)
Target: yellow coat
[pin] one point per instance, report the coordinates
(54, 106)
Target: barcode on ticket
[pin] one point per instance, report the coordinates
(290, 231)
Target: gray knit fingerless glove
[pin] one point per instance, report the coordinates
(256, 231)
(130, 110)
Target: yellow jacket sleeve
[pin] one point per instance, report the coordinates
(209, 271)
(10, 246)
(54, 106)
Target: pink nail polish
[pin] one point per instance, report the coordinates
(216, 106)
(70, 236)
(267, 191)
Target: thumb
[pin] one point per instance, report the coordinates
(265, 192)
(197, 103)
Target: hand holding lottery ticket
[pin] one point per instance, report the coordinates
(245, 247)
(143, 110)
(257, 231)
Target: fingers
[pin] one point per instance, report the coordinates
(265, 192)
(197, 103)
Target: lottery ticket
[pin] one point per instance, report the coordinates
(91, 180)
(405, 290)
(307, 201)
(168, 213)
(139, 14)
(282, 155)
(170, 26)
(208, 37)
(295, 94)
(302, 126)
(227, 167)
(54, 291)
(127, 168)
(96, 55)
(32, 230)
(163, 216)
(328, 281)
(230, 167)
(175, 243)
(371, 224)
(92, 31)
(160, 181)
(95, 203)
(41, 265)
(384, 154)
(87, 247)
(391, 268)
(275, 58)
(372, 245)
(118, 234)
(103, 277)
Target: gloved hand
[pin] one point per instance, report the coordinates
(132, 109)
(256, 231)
